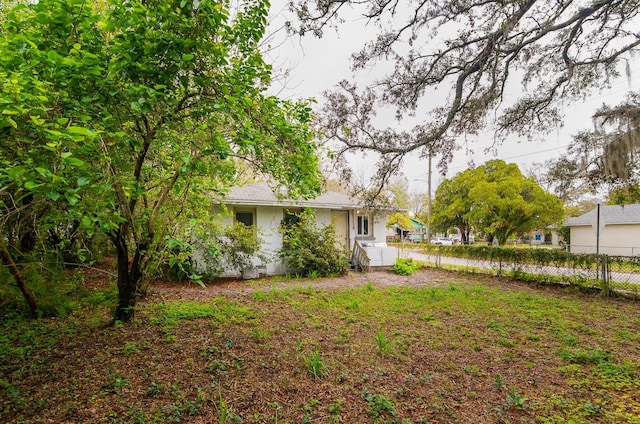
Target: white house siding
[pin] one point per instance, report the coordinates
(380, 228)
(323, 217)
(619, 239)
(268, 219)
(267, 222)
(268, 205)
(582, 239)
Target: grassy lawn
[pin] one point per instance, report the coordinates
(475, 349)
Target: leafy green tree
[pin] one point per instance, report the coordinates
(497, 200)
(452, 204)
(624, 195)
(505, 202)
(401, 219)
(131, 114)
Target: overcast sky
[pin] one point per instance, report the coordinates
(317, 65)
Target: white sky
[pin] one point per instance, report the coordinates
(317, 65)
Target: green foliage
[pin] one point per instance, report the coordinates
(311, 250)
(211, 251)
(597, 337)
(384, 347)
(400, 219)
(405, 267)
(494, 199)
(565, 233)
(625, 195)
(316, 365)
(541, 257)
(219, 310)
(585, 356)
(380, 406)
(58, 293)
(514, 399)
(128, 117)
(234, 249)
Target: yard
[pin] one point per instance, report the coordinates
(433, 347)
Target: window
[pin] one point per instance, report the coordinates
(246, 217)
(291, 217)
(363, 225)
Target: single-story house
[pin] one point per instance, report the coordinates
(259, 206)
(609, 229)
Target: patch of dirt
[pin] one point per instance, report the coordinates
(423, 359)
(379, 278)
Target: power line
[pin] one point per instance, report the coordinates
(520, 156)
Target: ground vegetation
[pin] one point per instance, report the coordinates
(432, 347)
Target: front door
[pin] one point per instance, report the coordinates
(340, 221)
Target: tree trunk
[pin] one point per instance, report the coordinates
(15, 272)
(129, 277)
(127, 286)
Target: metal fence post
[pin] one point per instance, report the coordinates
(605, 269)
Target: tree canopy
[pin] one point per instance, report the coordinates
(494, 199)
(509, 65)
(129, 116)
(603, 160)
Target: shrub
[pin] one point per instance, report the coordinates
(405, 267)
(310, 250)
(213, 250)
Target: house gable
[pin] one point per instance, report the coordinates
(618, 232)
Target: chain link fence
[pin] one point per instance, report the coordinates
(610, 274)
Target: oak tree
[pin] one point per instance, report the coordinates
(603, 160)
(495, 199)
(507, 65)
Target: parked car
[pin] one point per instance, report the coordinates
(445, 241)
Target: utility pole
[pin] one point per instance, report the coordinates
(429, 198)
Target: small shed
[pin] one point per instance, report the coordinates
(608, 229)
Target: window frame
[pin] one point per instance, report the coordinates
(245, 210)
(362, 219)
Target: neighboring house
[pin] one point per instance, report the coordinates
(414, 233)
(619, 231)
(257, 205)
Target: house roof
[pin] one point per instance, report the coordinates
(261, 194)
(414, 225)
(419, 225)
(609, 215)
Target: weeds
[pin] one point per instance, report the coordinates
(316, 365)
(579, 356)
(62, 368)
(384, 347)
(131, 348)
(117, 383)
(335, 411)
(405, 267)
(379, 405)
(514, 399)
